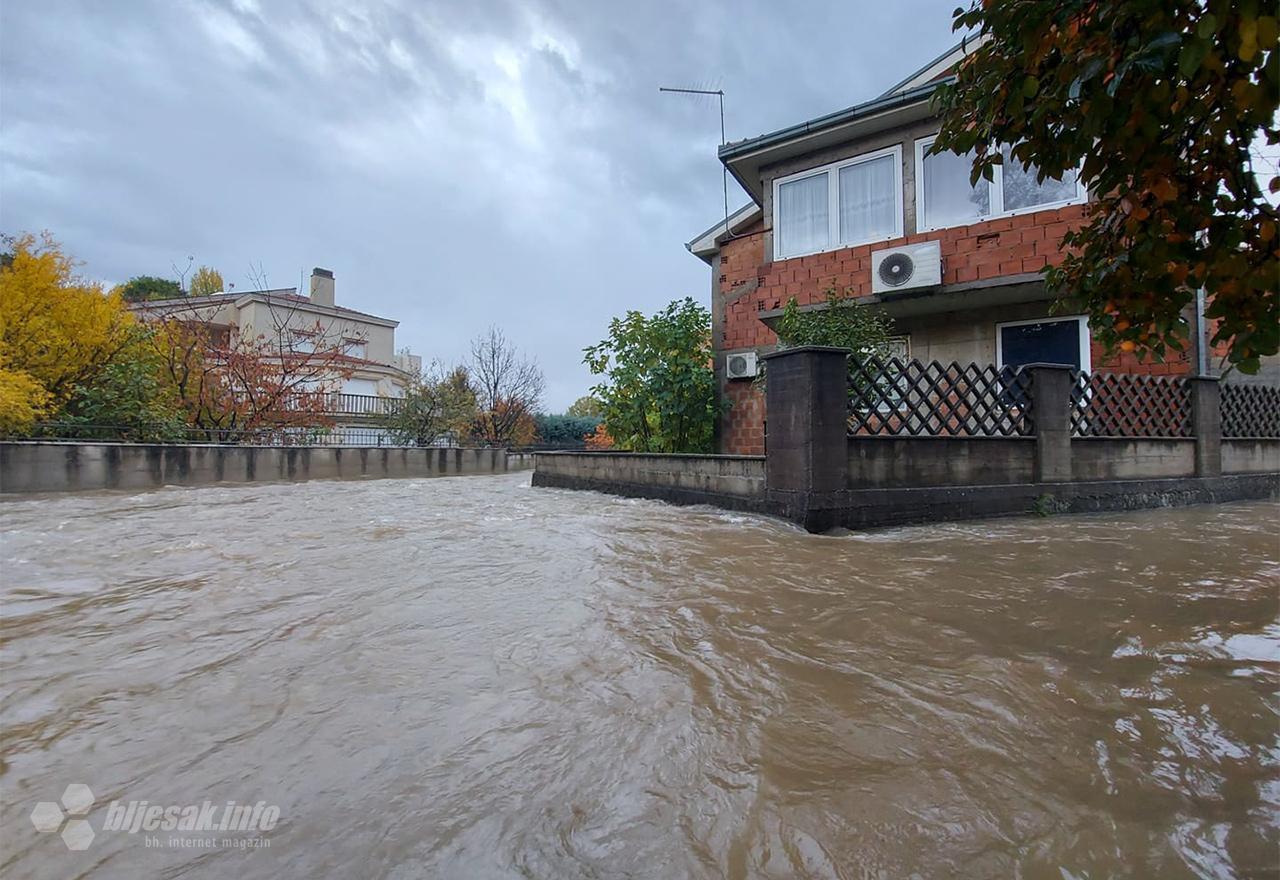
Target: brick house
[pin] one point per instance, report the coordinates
(831, 196)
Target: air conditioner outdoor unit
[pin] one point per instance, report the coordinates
(741, 365)
(902, 268)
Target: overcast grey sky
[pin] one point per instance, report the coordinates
(454, 163)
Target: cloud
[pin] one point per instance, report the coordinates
(455, 163)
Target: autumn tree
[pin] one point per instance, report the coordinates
(657, 391)
(265, 387)
(57, 331)
(584, 407)
(438, 403)
(520, 427)
(1154, 103)
(23, 400)
(141, 288)
(599, 439)
(508, 390)
(206, 282)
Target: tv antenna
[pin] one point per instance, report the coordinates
(724, 172)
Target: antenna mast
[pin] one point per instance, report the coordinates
(724, 172)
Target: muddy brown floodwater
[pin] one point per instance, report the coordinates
(470, 678)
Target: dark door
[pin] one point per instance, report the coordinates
(1049, 342)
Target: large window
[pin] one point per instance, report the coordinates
(944, 196)
(847, 203)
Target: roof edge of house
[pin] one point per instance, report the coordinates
(708, 241)
(740, 149)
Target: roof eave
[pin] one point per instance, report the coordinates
(782, 136)
(707, 243)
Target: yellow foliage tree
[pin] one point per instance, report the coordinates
(57, 331)
(206, 282)
(22, 401)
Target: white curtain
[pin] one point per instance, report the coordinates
(868, 201)
(804, 216)
(949, 200)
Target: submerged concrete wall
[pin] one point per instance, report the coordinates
(1258, 456)
(734, 481)
(877, 462)
(894, 462)
(1132, 458)
(738, 483)
(59, 467)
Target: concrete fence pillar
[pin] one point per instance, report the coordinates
(1051, 415)
(1206, 424)
(807, 447)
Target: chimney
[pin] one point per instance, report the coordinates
(322, 287)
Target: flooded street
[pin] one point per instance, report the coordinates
(469, 678)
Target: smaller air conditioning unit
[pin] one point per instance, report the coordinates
(904, 268)
(741, 365)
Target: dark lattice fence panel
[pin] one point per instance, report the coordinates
(892, 396)
(1123, 405)
(1250, 410)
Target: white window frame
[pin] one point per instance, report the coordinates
(303, 342)
(1086, 354)
(997, 194)
(832, 170)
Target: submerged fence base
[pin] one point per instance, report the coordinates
(737, 483)
(60, 467)
(870, 508)
(946, 443)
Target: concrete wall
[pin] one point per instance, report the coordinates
(966, 337)
(1123, 458)
(878, 462)
(900, 463)
(58, 467)
(690, 479)
(1250, 456)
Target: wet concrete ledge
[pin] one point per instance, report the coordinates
(738, 483)
(39, 466)
(874, 508)
(671, 494)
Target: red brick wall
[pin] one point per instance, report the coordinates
(1008, 246)
(749, 283)
(1175, 364)
(743, 427)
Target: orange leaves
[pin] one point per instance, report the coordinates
(599, 439)
(1163, 189)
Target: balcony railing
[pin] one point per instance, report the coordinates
(333, 403)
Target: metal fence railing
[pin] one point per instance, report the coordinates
(339, 404)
